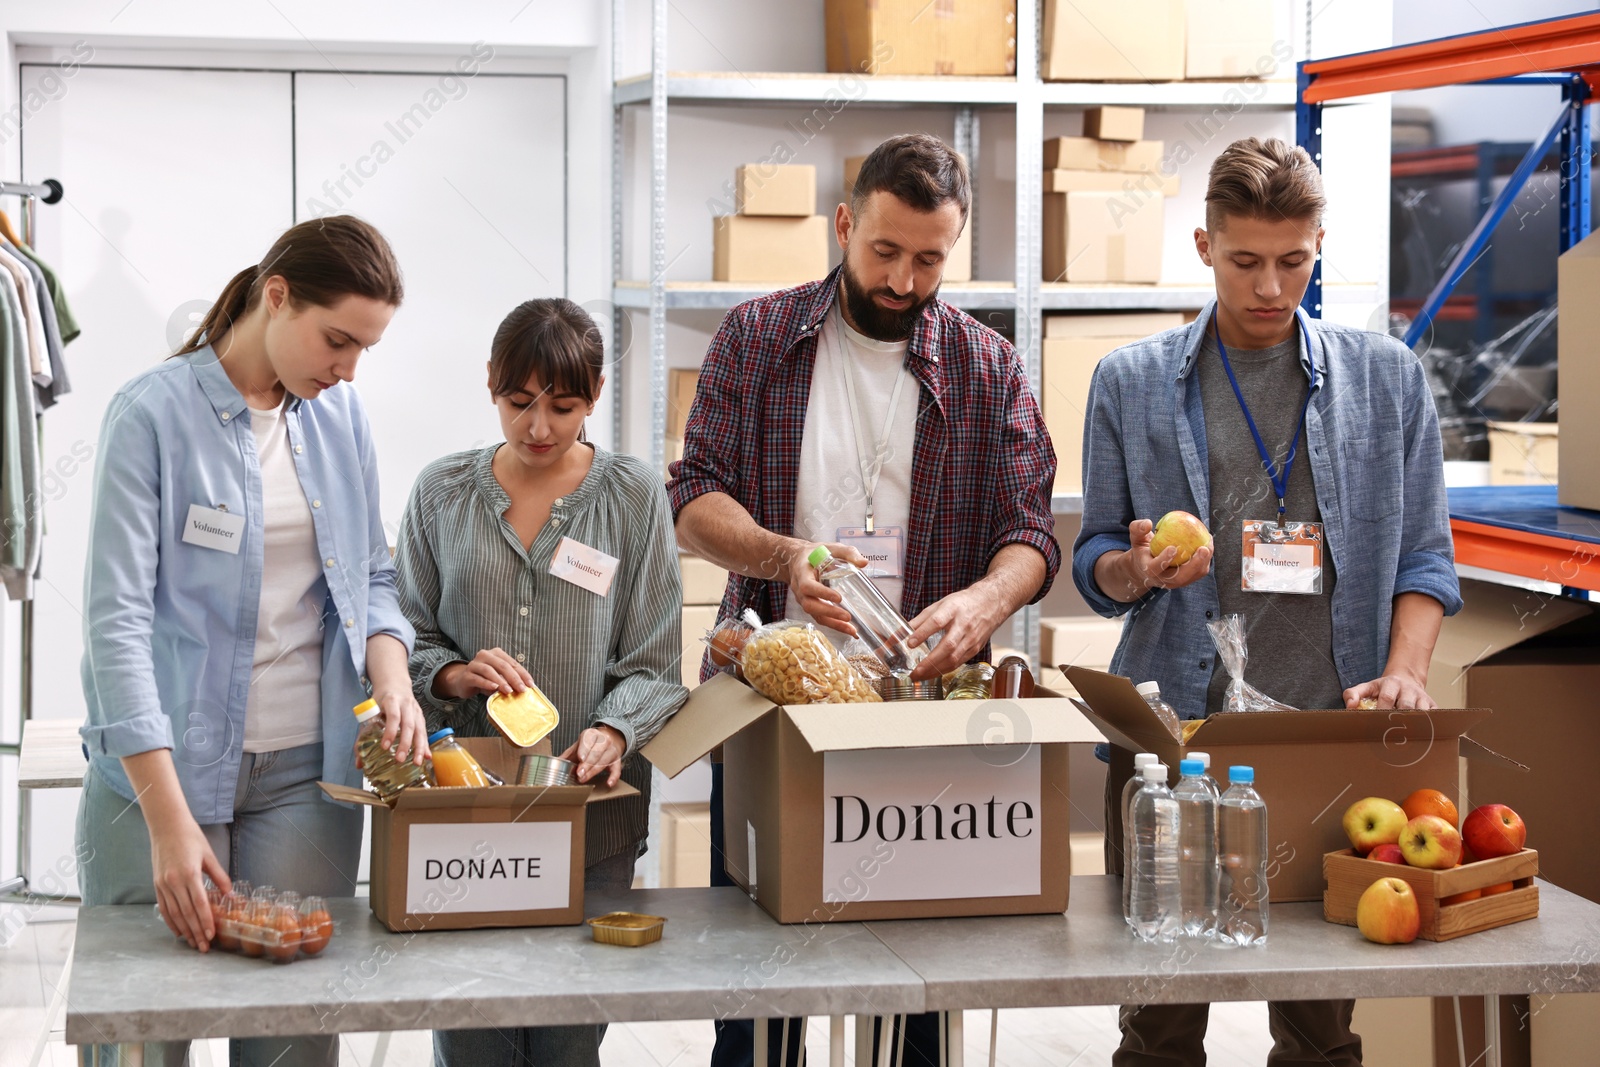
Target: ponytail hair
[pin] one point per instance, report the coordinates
(323, 260)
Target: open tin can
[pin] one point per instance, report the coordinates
(535, 769)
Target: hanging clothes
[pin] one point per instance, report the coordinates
(20, 527)
(33, 317)
(66, 324)
(58, 386)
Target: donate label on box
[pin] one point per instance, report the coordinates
(489, 866)
(958, 822)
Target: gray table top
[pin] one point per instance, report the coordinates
(1088, 956)
(723, 957)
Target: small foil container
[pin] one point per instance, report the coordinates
(535, 769)
(627, 928)
(901, 687)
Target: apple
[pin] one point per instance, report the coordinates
(1431, 843)
(1494, 830)
(1180, 530)
(1373, 821)
(1430, 802)
(1462, 897)
(1387, 854)
(1387, 912)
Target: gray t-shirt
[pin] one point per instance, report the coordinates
(1290, 635)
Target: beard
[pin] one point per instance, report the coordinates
(878, 323)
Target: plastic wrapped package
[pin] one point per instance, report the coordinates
(1227, 633)
(793, 663)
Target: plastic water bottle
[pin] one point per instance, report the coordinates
(884, 629)
(1128, 789)
(1242, 848)
(1151, 691)
(1153, 898)
(1196, 795)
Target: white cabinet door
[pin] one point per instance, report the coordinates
(467, 180)
(175, 181)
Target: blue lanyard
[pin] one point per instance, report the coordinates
(1280, 482)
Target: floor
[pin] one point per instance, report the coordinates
(36, 942)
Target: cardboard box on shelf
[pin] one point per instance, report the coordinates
(958, 265)
(697, 620)
(1577, 280)
(1309, 764)
(671, 449)
(969, 38)
(776, 189)
(1523, 453)
(755, 248)
(1082, 641)
(1086, 153)
(1137, 184)
(1231, 39)
(464, 859)
(1102, 237)
(685, 845)
(681, 385)
(1111, 123)
(703, 582)
(1109, 40)
(1136, 324)
(827, 809)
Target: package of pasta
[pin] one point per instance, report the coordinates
(794, 663)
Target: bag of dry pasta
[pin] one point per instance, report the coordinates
(795, 663)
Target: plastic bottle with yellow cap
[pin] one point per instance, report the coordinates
(387, 774)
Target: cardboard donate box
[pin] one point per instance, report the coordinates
(901, 810)
(1310, 765)
(461, 859)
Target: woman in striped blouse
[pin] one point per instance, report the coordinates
(549, 560)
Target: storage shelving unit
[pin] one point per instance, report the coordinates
(1515, 534)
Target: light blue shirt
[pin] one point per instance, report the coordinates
(1372, 438)
(170, 627)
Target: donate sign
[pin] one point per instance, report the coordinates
(932, 823)
(465, 867)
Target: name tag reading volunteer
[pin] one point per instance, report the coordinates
(583, 566)
(885, 548)
(512, 866)
(213, 528)
(1284, 558)
(931, 823)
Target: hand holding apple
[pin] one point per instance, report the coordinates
(1430, 843)
(1388, 914)
(1181, 531)
(1492, 830)
(1144, 568)
(1373, 821)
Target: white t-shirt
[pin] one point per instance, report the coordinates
(828, 492)
(284, 708)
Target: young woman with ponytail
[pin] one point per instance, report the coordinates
(240, 600)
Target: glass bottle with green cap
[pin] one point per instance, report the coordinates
(387, 774)
(883, 629)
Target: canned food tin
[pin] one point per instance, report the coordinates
(627, 928)
(544, 770)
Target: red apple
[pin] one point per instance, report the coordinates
(1429, 842)
(1494, 830)
(1180, 530)
(1387, 912)
(1388, 854)
(1373, 821)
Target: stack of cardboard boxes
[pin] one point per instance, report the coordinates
(776, 235)
(1160, 40)
(681, 385)
(958, 265)
(1105, 201)
(964, 38)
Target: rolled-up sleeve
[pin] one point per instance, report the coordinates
(1107, 499)
(1026, 475)
(644, 686)
(125, 713)
(711, 433)
(1427, 547)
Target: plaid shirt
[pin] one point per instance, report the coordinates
(980, 476)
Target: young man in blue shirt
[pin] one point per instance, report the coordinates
(1312, 453)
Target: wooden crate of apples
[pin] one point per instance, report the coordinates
(1411, 873)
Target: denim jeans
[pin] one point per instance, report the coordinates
(284, 833)
(537, 1046)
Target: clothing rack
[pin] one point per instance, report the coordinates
(48, 192)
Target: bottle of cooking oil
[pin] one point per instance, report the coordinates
(387, 774)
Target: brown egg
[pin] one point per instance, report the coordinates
(316, 930)
(285, 924)
(228, 918)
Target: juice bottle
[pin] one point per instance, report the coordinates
(452, 764)
(387, 774)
